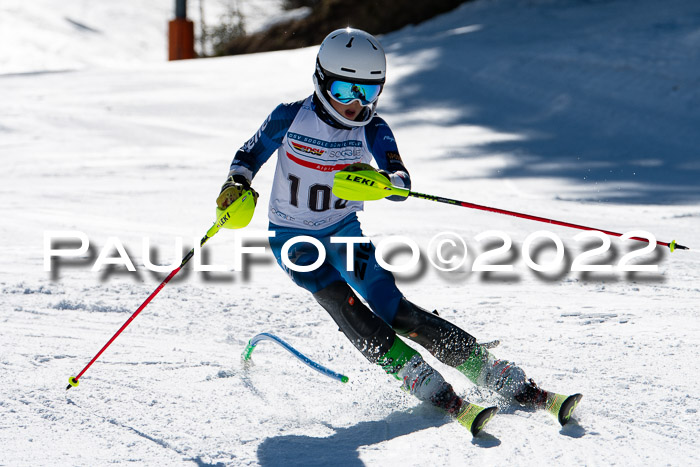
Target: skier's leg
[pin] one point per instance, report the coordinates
(372, 282)
(447, 342)
(372, 336)
(455, 347)
(379, 344)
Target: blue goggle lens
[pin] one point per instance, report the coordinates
(345, 92)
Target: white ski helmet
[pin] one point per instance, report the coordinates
(351, 56)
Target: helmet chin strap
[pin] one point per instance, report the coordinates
(369, 110)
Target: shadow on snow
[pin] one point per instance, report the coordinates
(610, 106)
(341, 448)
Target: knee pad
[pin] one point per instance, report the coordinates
(369, 333)
(448, 343)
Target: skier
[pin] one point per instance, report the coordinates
(337, 128)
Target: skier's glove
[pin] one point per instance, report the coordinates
(358, 166)
(396, 180)
(399, 179)
(233, 189)
(386, 174)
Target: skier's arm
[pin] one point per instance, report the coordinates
(258, 149)
(383, 146)
(255, 152)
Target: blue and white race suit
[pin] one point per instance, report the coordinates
(309, 153)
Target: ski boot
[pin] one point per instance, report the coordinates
(421, 380)
(500, 376)
(508, 380)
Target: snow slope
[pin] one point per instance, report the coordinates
(44, 35)
(562, 109)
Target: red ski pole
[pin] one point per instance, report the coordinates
(361, 182)
(672, 245)
(241, 210)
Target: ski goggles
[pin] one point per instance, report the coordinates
(346, 92)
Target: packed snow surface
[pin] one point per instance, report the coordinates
(585, 112)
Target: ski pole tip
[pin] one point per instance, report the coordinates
(344, 379)
(72, 382)
(675, 246)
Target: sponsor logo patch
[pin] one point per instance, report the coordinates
(393, 156)
(307, 149)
